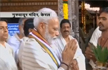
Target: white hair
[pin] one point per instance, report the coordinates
(44, 19)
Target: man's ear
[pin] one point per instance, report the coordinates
(30, 30)
(19, 27)
(42, 25)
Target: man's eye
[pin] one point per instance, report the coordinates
(55, 29)
(99, 18)
(103, 18)
(68, 27)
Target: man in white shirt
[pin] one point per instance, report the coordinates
(36, 52)
(60, 43)
(7, 61)
(14, 41)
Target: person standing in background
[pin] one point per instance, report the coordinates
(14, 41)
(7, 61)
(62, 40)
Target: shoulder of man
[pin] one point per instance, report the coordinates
(30, 43)
(9, 48)
(96, 34)
(13, 38)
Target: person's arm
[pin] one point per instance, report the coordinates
(63, 67)
(74, 65)
(81, 62)
(68, 55)
(94, 38)
(69, 52)
(80, 58)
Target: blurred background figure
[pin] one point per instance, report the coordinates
(28, 26)
(14, 41)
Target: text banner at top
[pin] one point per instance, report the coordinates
(23, 14)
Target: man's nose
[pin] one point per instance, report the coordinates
(5, 30)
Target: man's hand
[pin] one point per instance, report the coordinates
(89, 54)
(74, 65)
(69, 51)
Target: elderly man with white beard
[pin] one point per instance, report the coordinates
(36, 52)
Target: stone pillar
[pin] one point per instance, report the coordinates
(73, 15)
(60, 9)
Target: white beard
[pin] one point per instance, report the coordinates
(48, 36)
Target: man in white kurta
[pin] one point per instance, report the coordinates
(60, 43)
(7, 61)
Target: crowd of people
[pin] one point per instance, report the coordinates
(46, 44)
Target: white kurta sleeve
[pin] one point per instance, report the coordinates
(80, 59)
(78, 55)
(96, 34)
(81, 62)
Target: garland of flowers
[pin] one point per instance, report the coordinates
(65, 9)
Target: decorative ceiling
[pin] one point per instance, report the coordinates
(27, 5)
